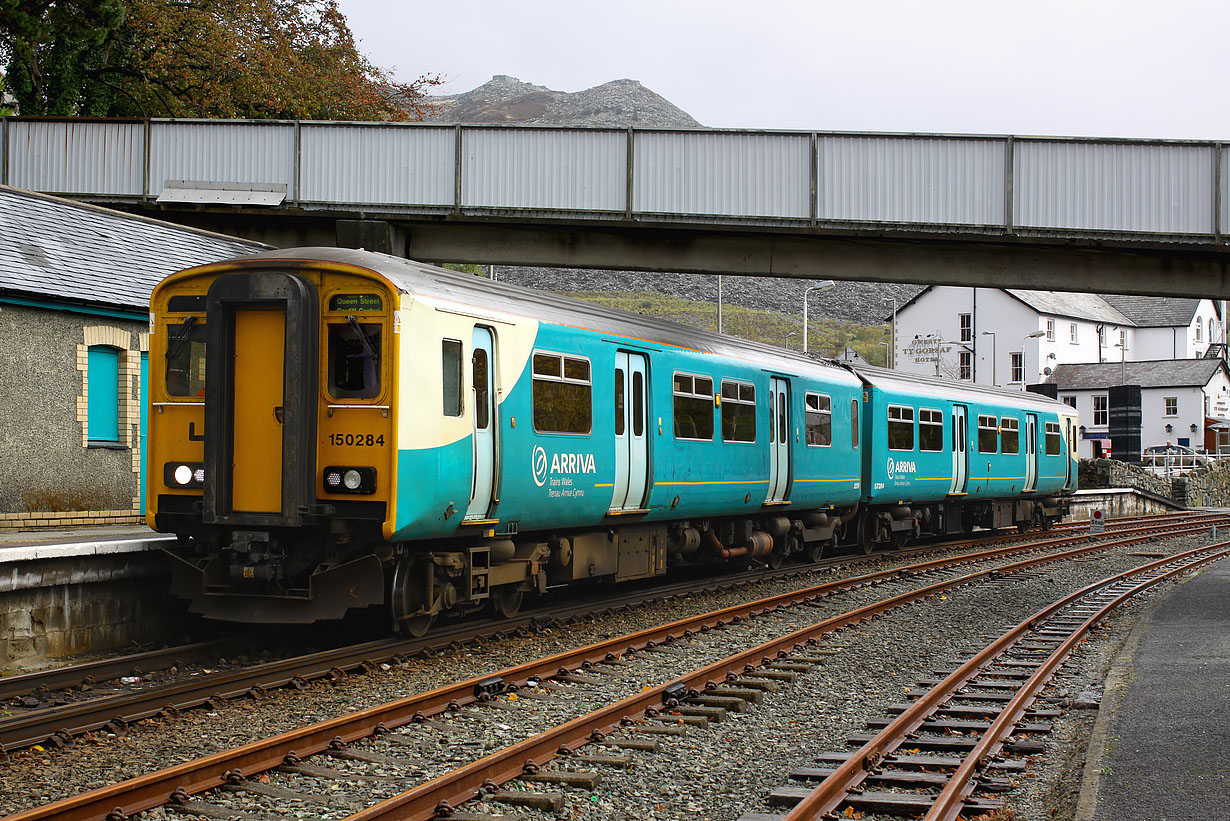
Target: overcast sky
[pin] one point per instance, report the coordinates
(1103, 68)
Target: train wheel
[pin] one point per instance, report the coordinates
(901, 538)
(815, 551)
(506, 601)
(867, 533)
(408, 596)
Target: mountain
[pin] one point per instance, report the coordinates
(504, 99)
(623, 103)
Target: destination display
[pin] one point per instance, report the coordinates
(353, 303)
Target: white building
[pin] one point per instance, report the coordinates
(1014, 338)
(1177, 397)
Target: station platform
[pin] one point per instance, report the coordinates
(1161, 744)
(24, 545)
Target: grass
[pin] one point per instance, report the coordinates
(827, 337)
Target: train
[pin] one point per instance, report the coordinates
(334, 429)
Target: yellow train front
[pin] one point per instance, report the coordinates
(272, 458)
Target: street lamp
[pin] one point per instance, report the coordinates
(786, 340)
(991, 334)
(1025, 339)
(823, 286)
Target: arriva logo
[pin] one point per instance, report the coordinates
(561, 463)
(895, 468)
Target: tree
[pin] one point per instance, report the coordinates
(284, 59)
(5, 111)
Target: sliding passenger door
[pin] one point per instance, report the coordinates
(960, 448)
(631, 425)
(483, 393)
(779, 440)
(1031, 451)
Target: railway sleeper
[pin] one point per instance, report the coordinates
(947, 762)
(908, 779)
(882, 802)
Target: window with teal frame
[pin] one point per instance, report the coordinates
(103, 390)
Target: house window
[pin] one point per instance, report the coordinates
(1101, 413)
(900, 428)
(1101, 335)
(103, 392)
(1199, 329)
(967, 327)
(562, 394)
(1017, 360)
(819, 419)
(1123, 340)
(1050, 330)
(1211, 339)
(1072, 332)
(930, 430)
(965, 368)
(1172, 405)
(1070, 401)
(693, 406)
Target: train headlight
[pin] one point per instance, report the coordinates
(183, 474)
(344, 479)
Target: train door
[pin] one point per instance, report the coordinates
(960, 448)
(779, 439)
(1071, 455)
(144, 425)
(1031, 451)
(260, 345)
(631, 423)
(483, 395)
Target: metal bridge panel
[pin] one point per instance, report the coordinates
(1142, 188)
(1224, 192)
(544, 169)
(723, 174)
(239, 152)
(384, 164)
(910, 179)
(76, 157)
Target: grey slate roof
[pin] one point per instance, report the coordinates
(1155, 311)
(57, 250)
(1164, 373)
(1077, 306)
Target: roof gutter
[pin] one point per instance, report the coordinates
(131, 315)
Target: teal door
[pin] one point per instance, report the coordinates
(482, 391)
(144, 426)
(779, 440)
(631, 424)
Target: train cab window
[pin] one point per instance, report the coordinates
(819, 413)
(186, 358)
(1054, 443)
(930, 429)
(739, 411)
(693, 400)
(854, 423)
(450, 355)
(562, 394)
(900, 428)
(1010, 435)
(988, 434)
(354, 359)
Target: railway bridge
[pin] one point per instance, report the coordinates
(1131, 216)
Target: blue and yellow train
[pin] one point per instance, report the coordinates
(334, 429)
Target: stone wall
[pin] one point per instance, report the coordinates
(1205, 487)
(1208, 487)
(1107, 473)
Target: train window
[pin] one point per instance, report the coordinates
(619, 402)
(186, 358)
(482, 390)
(819, 419)
(562, 394)
(1054, 444)
(354, 359)
(739, 411)
(900, 428)
(930, 429)
(988, 434)
(450, 356)
(638, 404)
(1009, 435)
(854, 423)
(693, 406)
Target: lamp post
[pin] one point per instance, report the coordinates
(786, 340)
(823, 286)
(994, 382)
(1025, 339)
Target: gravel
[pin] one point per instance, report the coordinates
(716, 771)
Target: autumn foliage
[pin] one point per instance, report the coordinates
(283, 59)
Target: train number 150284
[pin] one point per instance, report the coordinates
(362, 440)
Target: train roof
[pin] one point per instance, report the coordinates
(439, 283)
(952, 389)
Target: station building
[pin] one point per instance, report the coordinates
(75, 282)
(1014, 338)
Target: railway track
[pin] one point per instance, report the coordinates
(743, 671)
